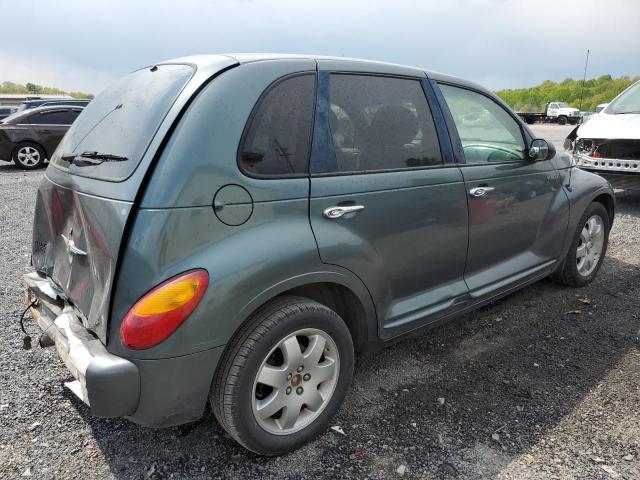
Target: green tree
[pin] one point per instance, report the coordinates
(596, 91)
(34, 89)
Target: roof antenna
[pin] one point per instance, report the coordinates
(584, 77)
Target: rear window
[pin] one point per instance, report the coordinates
(122, 121)
(279, 136)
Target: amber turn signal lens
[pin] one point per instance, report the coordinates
(158, 314)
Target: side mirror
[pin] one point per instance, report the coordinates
(540, 150)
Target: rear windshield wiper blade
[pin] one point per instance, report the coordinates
(85, 159)
(107, 157)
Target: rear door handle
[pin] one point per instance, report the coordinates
(481, 191)
(45, 131)
(338, 211)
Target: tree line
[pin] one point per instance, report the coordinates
(596, 91)
(34, 89)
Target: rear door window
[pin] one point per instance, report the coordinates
(52, 117)
(122, 121)
(278, 137)
(57, 117)
(381, 123)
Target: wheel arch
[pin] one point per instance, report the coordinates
(609, 203)
(346, 295)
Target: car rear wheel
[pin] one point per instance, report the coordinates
(588, 248)
(28, 156)
(562, 120)
(284, 376)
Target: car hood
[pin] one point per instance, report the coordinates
(625, 126)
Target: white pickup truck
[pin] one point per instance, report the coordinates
(609, 142)
(559, 112)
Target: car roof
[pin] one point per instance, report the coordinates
(52, 107)
(202, 61)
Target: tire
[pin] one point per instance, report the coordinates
(28, 156)
(562, 120)
(571, 274)
(259, 349)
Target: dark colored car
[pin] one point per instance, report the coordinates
(44, 102)
(231, 229)
(31, 136)
(5, 111)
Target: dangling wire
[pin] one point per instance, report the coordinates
(23, 314)
(26, 339)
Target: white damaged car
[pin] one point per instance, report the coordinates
(609, 143)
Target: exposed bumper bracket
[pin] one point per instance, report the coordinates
(110, 385)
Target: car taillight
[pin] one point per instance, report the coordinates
(162, 310)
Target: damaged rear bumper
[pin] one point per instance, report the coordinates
(154, 393)
(108, 384)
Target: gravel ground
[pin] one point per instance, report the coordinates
(543, 384)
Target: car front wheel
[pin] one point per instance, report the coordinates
(284, 376)
(588, 248)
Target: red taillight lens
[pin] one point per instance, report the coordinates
(163, 309)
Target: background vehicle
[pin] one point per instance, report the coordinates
(31, 136)
(202, 247)
(554, 112)
(6, 111)
(601, 107)
(28, 104)
(609, 143)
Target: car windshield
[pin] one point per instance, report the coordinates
(563, 105)
(628, 102)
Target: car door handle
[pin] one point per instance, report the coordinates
(45, 131)
(338, 211)
(481, 191)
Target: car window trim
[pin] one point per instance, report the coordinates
(455, 138)
(321, 125)
(254, 112)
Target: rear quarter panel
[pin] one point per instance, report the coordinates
(176, 228)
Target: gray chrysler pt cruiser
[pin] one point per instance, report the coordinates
(232, 228)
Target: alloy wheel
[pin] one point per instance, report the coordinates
(296, 381)
(590, 245)
(28, 156)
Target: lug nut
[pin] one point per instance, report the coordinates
(288, 390)
(300, 368)
(289, 377)
(306, 377)
(299, 390)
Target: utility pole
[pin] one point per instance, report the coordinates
(584, 77)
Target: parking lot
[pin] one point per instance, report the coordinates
(542, 384)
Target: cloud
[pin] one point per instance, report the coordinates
(499, 43)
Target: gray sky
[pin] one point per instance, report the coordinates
(84, 45)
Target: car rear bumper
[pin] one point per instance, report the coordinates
(155, 393)
(108, 384)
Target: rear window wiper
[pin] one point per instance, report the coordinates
(86, 159)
